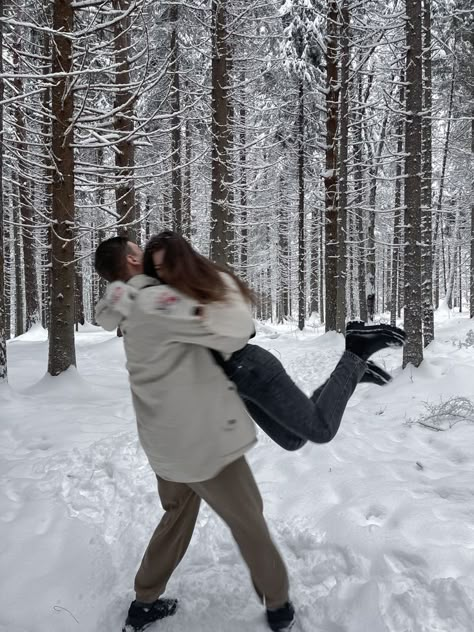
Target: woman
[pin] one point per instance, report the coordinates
(273, 400)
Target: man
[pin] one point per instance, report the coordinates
(194, 430)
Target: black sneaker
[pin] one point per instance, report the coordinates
(374, 374)
(140, 616)
(365, 340)
(281, 619)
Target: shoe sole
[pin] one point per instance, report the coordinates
(361, 328)
(398, 339)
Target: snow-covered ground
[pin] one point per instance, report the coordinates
(377, 527)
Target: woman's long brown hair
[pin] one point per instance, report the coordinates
(188, 271)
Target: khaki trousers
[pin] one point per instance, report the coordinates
(233, 494)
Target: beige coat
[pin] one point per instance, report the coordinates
(191, 422)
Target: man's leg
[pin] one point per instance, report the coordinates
(233, 494)
(170, 540)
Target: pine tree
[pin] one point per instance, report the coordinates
(413, 350)
(62, 353)
(3, 342)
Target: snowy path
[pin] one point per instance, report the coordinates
(377, 527)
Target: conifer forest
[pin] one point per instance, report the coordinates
(323, 150)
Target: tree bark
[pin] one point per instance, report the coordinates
(438, 240)
(187, 196)
(375, 160)
(175, 98)
(341, 307)
(3, 341)
(244, 236)
(315, 269)
(301, 209)
(48, 171)
(427, 228)
(330, 177)
(62, 353)
(123, 125)
(19, 269)
(471, 285)
(221, 215)
(358, 199)
(413, 350)
(26, 210)
(397, 289)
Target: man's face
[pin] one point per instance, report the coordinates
(134, 259)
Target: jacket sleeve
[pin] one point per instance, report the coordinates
(163, 302)
(115, 306)
(105, 316)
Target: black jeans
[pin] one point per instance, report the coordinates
(280, 408)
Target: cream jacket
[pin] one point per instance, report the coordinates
(191, 421)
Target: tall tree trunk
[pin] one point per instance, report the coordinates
(221, 215)
(427, 228)
(413, 350)
(375, 160)
(175, 97)
(26, 211)
(124, 127)
(301, 209)
(315, 270)
(343, 173)
(187, 196)
(397, 289)
(283, 254)
(3, 341)
(358, 200)
(438, 239)
(322, 263)
(19, 269)
(79, 317)
(453, 262)
(48, 171)
(62, 352)
(330, 177)
(101, 205)
(244, 236)
(471, 285)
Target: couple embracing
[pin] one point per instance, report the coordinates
(197, 389)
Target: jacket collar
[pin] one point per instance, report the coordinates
(139, 281)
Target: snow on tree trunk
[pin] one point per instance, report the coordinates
(25, 189)
(62, 354)
(471, 288)
(427, 228)
(175, 98)
(301, 210)
(343, 173)
(221, 217)
(413, 350)
(124, 126)
(3, 341)
(330, 176)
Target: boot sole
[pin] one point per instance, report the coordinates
(396, 339)
(376, 329)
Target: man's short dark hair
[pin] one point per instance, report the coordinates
(110, 259)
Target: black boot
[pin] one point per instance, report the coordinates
(141, 615)
(281, 619)
(374, 374)
(365, 340)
